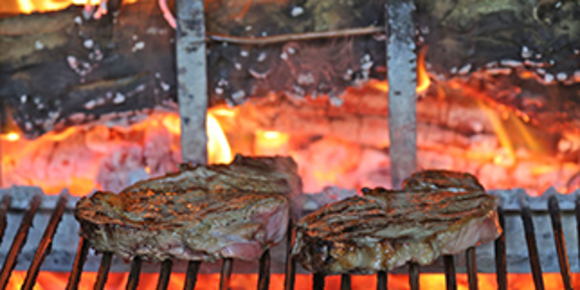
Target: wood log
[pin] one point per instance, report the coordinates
(59, 69)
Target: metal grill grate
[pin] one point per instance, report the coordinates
(264, 267)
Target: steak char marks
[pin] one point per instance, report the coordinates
(436, 213)
(200, 213)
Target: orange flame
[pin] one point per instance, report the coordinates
(423, 80)
(218, 148)
(31, 6)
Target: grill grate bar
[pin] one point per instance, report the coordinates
(103, 271)
(134, 274)
(191, 275)
(318, 281)
(450, 278)
(264, 271)
(345, 282)
(500, 254)
(3, 211)
(532, 247)
(414, 276)
(471, 261)
(45, 243)
(19, 241)
(382, 280)
(81, 257)
(290, 271)
(554, 209)
(226, 274)
(164, 274)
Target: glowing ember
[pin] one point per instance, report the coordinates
(52, 280)
(12, 136)
(83, 159)
(31, 6)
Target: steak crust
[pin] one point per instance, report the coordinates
(437, 212)
(200, 213)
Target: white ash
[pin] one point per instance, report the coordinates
(38, 45)
(305, 78)
(164, 86)
(297, 11)
(238, 66)
(336, 101)
(541, 71)
(238, 95)
(347, 75)
(119, 98)
(138, 46)
(453, 70)
(23, 98)
(284, 56)
(90, 104)
(526, 52)
(465, 69)
(80, 67)
(244, 53)
(78, 20)
(248, 27)
(510, 63)
(561, 76)
(88, 43)
(261, 57)
(548, 78)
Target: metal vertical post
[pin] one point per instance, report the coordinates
(402, 78)
(191, 79)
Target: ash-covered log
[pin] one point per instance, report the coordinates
(62, 68)
(65, 68)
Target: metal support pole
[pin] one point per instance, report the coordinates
(191, 79)
(402, 78)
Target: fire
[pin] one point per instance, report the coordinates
(218, 148)
(423, 80)
(83, 159)
(12, 137)
(52, 280)
(41, 6)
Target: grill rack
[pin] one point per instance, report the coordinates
(264, 267)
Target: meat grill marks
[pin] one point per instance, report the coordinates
(438, 212)
(201, 213)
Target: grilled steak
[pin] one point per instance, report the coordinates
(437, 212)
(200, 213)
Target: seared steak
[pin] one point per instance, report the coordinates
(200, 213)
(438, 212)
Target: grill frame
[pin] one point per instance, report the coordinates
(499, 244)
